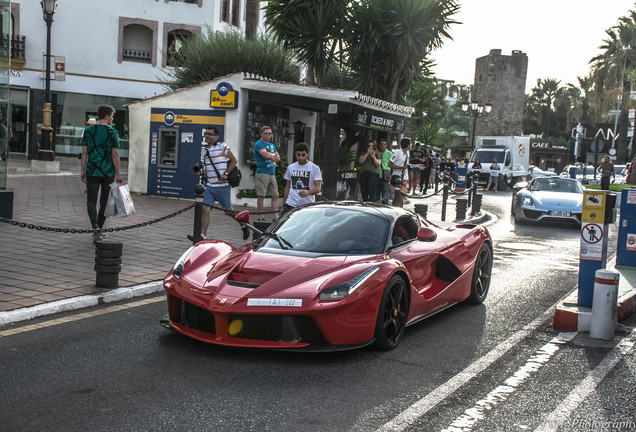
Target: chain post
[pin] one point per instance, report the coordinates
(445, 193)
(199, 190)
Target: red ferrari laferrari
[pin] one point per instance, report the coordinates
(327, 276)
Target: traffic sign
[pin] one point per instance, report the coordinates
(592, 233)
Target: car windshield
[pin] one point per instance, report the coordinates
(325, 229)
(555, 184)
(487, 156)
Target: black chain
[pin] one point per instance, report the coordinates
(216, 207)
(89, 231)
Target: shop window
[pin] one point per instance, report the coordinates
(168, 150)
(137, 40)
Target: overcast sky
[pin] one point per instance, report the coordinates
(559, 36)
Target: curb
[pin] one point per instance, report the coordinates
(79, 302)
(569, 316)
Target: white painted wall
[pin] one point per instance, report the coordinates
(86, 33)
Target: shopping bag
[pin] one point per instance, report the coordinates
(123, 200)
(111, 207)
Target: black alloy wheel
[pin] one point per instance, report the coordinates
(391, 320)
(481, 276)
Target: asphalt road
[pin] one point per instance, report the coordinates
(499, 366)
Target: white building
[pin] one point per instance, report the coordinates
(111, 52)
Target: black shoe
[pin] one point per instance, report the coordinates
(191, 237)
(246, 232)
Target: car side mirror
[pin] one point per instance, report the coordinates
(243, 216)
(426, 234)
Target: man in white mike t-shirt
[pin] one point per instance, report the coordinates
(303, 180)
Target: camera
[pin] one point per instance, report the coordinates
(197, 167)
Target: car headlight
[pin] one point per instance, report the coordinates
(177, 270)
(527, 201)
(340, 291)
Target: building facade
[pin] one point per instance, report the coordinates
(101, 53)
(500, 80)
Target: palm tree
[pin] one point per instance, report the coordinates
(312, 30)
(609, 71)
(545, 93)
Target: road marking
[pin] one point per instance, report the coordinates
(560, 416)
(540, 358)
(428, 402)
(78, 317)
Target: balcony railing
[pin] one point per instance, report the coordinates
(137, 56)
(17, 44)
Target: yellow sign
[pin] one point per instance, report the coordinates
(229, 101)
(593, 207)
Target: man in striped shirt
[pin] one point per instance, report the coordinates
(218, 160)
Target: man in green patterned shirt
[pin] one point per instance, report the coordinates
(100, 165)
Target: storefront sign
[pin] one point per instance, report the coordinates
(377, 120)
(224, 97)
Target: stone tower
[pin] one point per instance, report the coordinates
(500, 80)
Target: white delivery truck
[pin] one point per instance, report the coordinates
(513, 157)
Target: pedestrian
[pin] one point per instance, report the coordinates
(218, 161)
(417, 160)
(494, 175)
(400, 164)
(265, 183)
(607, 170)
(369, 163)
(425, 178)
(384, 181)
(100, 166)
(303, 180)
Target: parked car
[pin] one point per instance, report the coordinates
(327, 276)
(584, 174)
(548, 199)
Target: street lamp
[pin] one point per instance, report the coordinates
(45, 152)
(475, 110)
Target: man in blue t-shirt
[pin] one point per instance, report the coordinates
(265, 183)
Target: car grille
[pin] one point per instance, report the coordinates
(532, 214)
(277, 328)
(190, 315)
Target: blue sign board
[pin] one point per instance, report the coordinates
(176, 143)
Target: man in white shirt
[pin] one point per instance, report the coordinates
(399, 163)
(494, 175)
(303, 180)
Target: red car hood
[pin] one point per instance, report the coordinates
(265, 274)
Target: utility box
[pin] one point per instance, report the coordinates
(626, 245)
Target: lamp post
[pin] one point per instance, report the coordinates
(475, 110)
(45, 152)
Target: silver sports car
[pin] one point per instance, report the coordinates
(547, 199)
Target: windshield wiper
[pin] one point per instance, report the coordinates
(281, 241)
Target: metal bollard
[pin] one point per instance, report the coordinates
(421, 209)
(108, 263)
(199, 190)
(476, 204)
(604, 304)
(445, 194)
(460, 208)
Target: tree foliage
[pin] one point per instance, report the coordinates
(379, 46)
(212, 55)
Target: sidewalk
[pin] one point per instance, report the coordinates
(41, 267)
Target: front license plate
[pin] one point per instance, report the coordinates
(560, 213)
